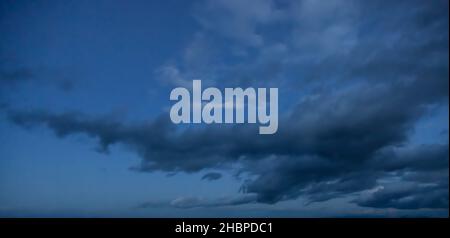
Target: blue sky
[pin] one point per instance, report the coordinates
(363, 98)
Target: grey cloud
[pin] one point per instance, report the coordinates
(418, 158)
(188, 202)
(193, 202)
(323, 148)
(212, 176)
(407, 197)
(344, 41)
(172, 75)
(341, 138)
(238, 20)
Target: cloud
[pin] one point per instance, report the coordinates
(187, 202)
(199, 60)
(418, 158)
(193, 202)
(409, 196)
(212, 176)
(238, 20)
(357, 86)
(171, 75)
(328, 146)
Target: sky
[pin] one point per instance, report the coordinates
(363, 108)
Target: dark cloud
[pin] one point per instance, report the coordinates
(407, 197)
(328, 146)
(212, 176)
(417, 158)
(347, 136)
(199, 202)
(192, 202)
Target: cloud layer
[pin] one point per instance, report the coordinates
(356, 79)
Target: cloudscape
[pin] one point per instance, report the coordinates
(362, 108)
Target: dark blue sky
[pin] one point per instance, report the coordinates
(84, 100)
